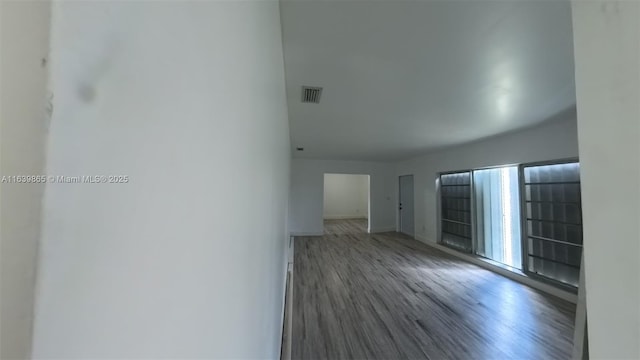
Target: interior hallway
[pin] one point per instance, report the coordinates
(386, 296)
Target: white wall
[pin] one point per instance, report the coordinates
(607, 56)
(346, 196)
(186, 260)
(555, 139)
(24, 43)
(306, 198)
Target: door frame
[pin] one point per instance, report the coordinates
(368, 175)
(399, 204)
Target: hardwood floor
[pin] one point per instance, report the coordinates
(386, 296)
(344, 227)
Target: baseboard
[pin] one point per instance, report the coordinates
(513, 275)
(304, 233)
(287, 296)
(383, 229)
(345, 217)
(285, 337)
(313, 233)
(422, 239)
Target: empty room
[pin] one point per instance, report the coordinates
(309, 179)
(346, 203)
(476, 225)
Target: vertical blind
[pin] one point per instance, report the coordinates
(497, 215)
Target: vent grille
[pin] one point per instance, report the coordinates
(311, 94)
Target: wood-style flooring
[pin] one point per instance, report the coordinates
(386, 296)
(345, 227)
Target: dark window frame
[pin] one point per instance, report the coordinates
(524, 230)
(441, 205)
(524, 226)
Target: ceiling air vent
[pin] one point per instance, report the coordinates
(311, 94)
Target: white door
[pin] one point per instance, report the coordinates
(406, 205)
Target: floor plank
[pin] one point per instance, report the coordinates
(386, 296)
(345, 227)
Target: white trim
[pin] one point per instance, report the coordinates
(344, 217)
(307, 233)
(283, 330)
(287, 313)
(383, 229)
(580, 332)
(511, 274)
(287, 305)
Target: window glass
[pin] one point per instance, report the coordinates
(497, 212)
(455, 212)
(553, 221)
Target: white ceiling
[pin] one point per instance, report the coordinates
(404, 77)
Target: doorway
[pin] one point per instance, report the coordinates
(346, 204)
(405, 205)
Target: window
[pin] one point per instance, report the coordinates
(528, 217)
(455, 190)
(497, 212)
(553, 234)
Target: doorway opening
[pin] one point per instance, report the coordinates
(347, 204)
